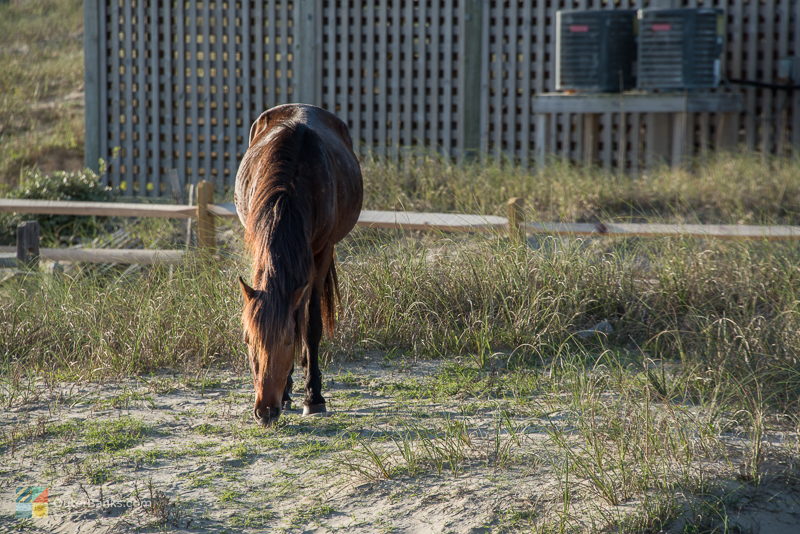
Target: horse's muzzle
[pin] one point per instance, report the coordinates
(267, 416)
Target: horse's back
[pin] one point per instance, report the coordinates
(335, 184)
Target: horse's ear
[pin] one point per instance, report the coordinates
(247, 292)
(260, 125)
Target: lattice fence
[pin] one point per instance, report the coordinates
(176, 84)
(391, 70)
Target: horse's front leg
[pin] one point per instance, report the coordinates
(314, 401)
(286, 403)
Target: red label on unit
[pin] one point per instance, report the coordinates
(662, 27)
(575, 28)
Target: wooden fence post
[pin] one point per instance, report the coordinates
(28, 244)
(206, 233)
(516, 217)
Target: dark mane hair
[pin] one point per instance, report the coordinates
(277, 230)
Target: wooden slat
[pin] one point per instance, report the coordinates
(102, 88)
(497, 82)
(249, 17)
(732, 121)
(357, 79)
(510, 104)
(635, 156)
(751, 126)
(394, 99)
(262, 62)
(485, 63)
(433, 81)
(420, 99)
(116, 91)
(782, 123)
(128, 110)
(155, 48)
(342, 50)
(329, 74)
(636, 103)
(446, 222)
(194, 101)
(205, 162)
(606, 119)
(113, 209)
(796, 95)
(285, 95)
(407, 77)
(369, 79)
(231, 95)
(144, 159)
(447, 80)
(383, 58)
(539, 73)
(525, 104)
(180, 98)
(166, 78)
(217, 128)
(723, 231)
(767, 64)
(94, 66)
(562, 122)
(108, 255)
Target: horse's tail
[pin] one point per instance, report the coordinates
(330, 298)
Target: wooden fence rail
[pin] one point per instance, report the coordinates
(205, 211)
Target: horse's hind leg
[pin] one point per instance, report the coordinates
(286, 403)
(314, 401)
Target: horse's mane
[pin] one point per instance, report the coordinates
(277, 230)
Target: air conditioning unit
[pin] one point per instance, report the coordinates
(595, 50)
(680, 48)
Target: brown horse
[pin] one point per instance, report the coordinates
(298, 191)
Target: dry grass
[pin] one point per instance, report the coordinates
(726, 188)
(41, 83)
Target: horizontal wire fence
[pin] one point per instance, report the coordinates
(176, 84)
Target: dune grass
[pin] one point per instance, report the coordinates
(41, 78)
(722, 188)
(726, 311)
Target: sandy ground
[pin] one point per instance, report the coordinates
(178, 454)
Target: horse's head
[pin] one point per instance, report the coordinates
(271, 338)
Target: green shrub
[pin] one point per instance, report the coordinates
(60, 185)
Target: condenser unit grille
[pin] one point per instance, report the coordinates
(595, 50)
(679, 48)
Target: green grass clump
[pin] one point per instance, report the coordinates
(115, 434)
(41, 75)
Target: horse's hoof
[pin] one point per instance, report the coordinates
(314, 409)
(286, 405)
